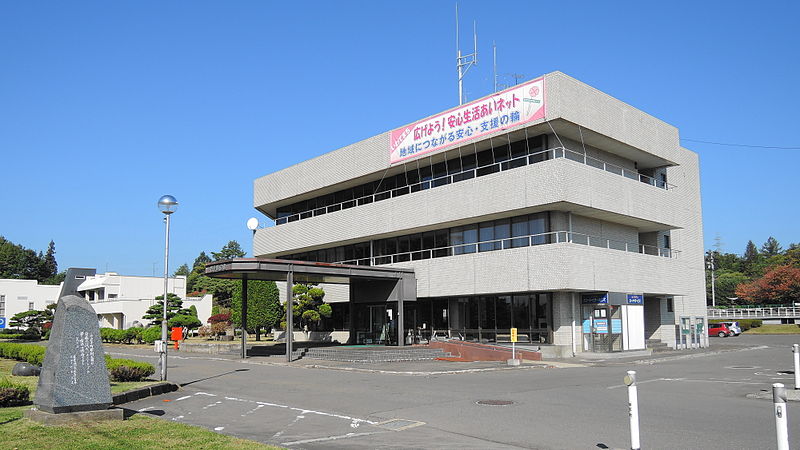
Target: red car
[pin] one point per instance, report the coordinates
(719, 329)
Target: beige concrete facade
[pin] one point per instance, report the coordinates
(605, 216)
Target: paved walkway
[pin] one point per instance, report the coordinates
(695, 399)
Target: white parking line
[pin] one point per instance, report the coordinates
(331, 438)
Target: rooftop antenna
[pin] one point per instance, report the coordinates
(494, 64)
(463, 63)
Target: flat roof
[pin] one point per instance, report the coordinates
(303, 271)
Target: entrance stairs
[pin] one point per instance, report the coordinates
(361, 354)
(657, 346)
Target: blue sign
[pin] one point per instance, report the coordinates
(592, 299)
(587, 326)
(616, 326)
(2, 322)
(601, 326)
(634, 299)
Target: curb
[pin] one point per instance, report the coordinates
(144, 392)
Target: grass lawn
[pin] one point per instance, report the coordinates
(138, 431)
(775, 329)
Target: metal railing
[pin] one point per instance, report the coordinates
(553, 237)
(533, 158)
(755, 313)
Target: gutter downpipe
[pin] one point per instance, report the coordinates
(572, 303)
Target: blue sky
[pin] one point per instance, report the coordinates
(105, 106)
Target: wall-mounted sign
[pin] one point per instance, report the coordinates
(616, 326)
(591, 299)
(514, 106)
(635, 299)
(601, 326)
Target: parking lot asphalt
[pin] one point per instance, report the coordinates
(689, 399)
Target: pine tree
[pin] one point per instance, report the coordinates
(231, 250)
(750, 259)
(49, 266)
(182, 270)
(174, 307)
(771, 247)
(201, 260)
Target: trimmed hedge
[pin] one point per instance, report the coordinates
(129, 336)
(128, 370)
(12, 394)
(152, 334)
(118, 369)
(30, 353)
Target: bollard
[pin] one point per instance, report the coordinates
(796, 351)
(633, 408)
(781, 430)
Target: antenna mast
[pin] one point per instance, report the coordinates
(463, 63)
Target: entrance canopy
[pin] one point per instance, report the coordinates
(375, 283)
(304, 271)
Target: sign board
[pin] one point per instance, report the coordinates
(2, 322)
(635, 299)
(601, 326)
(591, 299)
(616, 326)
(513, 335)
(587, 326)
(511, 107)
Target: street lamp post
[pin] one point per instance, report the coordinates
(167, 204)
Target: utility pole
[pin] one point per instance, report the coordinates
(710, 265)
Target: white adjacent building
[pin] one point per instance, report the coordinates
(17, 296)
(120, 301)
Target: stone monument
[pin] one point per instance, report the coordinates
(73, 385)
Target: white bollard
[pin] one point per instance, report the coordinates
(633, 409)
(796, 351)
(781, 430)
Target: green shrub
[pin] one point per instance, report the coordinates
(12, 394)
(152, 334)
(11, 336)
(30, 353)
(128, 370)
(133, 335)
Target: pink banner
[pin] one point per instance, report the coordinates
(505, 109)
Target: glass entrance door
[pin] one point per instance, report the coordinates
(602, 328)
(372, 324)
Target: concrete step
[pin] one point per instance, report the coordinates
(371, 354)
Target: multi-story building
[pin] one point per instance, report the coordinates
(120, 301)
(549, 207)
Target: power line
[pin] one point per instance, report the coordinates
(740, 145)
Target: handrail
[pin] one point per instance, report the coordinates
(544, 155)
(745, 313)
(553, 237)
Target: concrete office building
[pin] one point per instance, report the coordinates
(550, 207)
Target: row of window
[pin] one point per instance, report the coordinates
(501, 156)
(503, 233)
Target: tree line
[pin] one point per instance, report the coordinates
(20, 263)
(766, 275)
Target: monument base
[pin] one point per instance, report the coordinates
(69, 418)
(513, 362)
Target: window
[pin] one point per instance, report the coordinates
(30, 306)
(2, 305)
(670, 305)
(666, 241)
(519, 227)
